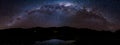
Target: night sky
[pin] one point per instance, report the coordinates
(94, 14)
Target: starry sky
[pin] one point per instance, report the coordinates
(95, 14)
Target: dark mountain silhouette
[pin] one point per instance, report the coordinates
(20, 36)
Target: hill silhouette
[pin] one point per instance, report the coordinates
(30, 35)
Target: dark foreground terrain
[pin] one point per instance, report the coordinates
(19, 36)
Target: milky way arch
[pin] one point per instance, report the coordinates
(61, 14)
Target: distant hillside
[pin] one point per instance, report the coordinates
(57, 30)
(29, 36)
